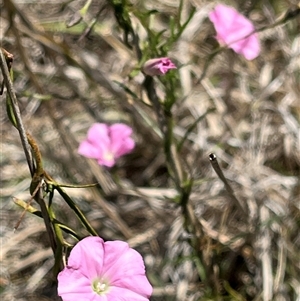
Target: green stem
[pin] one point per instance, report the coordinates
(76, 209)
(58, 265)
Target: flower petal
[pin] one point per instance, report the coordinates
(84, 265)
(125, 268)
(252, 50)
(72, 283)
(87, 257)
(97, 142)
(121, 142)
(235, 31)
(88, 150)
(123, 294)
(223, 18)
(98, 136)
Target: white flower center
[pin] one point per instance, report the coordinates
(100, 286)
(108, 156)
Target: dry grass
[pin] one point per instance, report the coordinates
(218, 249)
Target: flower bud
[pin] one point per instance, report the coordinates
(158, 66)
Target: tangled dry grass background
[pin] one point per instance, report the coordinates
(67, 79)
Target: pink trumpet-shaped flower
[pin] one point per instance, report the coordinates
(106, 143)
(235, 31)
(158, 66)
(104, 271)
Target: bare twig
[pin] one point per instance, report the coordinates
(219, 172)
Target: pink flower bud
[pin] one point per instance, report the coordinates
(158, 66)
(235, 31)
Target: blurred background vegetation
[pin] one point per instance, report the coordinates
(77, 63)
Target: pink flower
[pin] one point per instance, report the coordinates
(104, 271)
(158, 66)
(235, 31)
(106, 143)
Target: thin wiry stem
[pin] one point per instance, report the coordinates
(16, 110)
